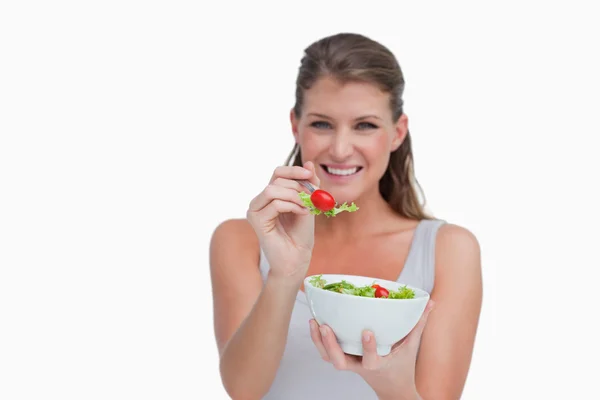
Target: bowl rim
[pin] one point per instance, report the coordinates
(426, 295)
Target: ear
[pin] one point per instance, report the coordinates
(401, 129)
(294, 122)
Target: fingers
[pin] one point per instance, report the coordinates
(336, 355)
(284, 186)
(371, 359)
(291, 172)
(315, 335)
(288, 183)
(277, 207)
(309, 165)
(276, 193)
(308, 172)
(326, 343)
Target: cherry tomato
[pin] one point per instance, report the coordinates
(380, 291)
(322, 200)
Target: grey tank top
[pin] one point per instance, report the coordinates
(302, 374)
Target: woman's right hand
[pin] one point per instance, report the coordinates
(285, 228)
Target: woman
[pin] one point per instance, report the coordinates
(352, 140)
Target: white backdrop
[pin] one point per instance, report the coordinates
(125, 137)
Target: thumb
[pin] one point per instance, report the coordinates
(314, 179)
(414, 337)
(370, 358)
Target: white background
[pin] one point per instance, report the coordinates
(126, 131)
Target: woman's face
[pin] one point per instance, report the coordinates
(347, 131)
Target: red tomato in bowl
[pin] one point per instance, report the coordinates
(380, 291)
(322, 200)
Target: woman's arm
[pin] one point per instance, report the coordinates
(245, 313)
(448, 339)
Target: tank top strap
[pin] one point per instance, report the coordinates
(419, 268)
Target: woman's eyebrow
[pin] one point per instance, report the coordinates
(319, 115)
(368, 116)
(357, 119)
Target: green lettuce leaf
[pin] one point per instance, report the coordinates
(345, 287)
(402, 293)
(317, 281)
(331, 213)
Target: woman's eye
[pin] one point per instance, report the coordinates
(320, 125)
(366, 125)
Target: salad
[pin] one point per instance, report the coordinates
(322, 202)
(373, 290)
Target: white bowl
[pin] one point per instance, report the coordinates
(348, 316)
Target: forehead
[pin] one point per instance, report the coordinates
(347, 99)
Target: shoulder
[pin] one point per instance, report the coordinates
(234, 236)
(452, 237)
(457, 249)
(237, 229)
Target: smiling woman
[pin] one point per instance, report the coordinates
(352, 141)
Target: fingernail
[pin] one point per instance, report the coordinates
(366, 337)
(323, 331)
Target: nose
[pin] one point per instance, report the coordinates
(341, 146)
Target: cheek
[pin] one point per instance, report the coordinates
(377, 149)
(311, 145)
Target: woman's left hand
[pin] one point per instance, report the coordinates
(391, 376)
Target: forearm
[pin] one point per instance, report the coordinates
(251, 358)
(402, 392)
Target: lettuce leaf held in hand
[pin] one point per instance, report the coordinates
(331, 213)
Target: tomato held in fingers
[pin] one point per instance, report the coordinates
(322, 200)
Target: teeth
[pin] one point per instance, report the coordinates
(335, 171)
